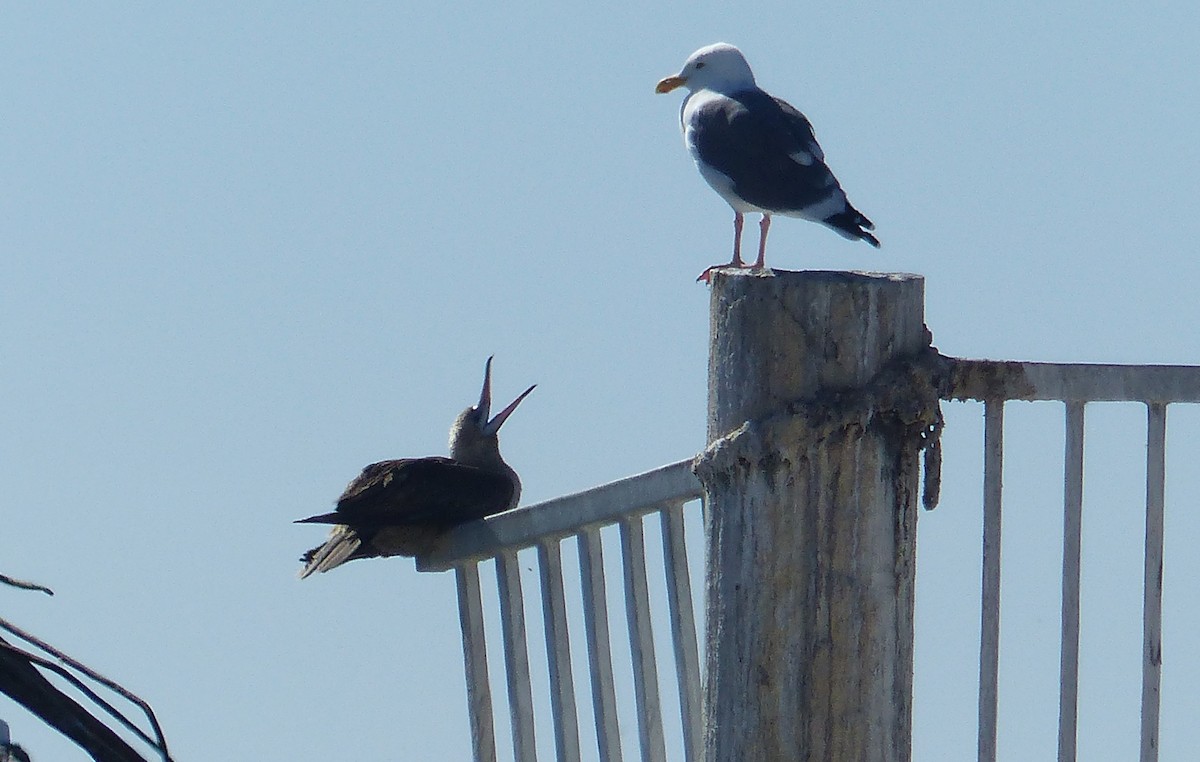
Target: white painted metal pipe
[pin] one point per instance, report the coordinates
(479, 694)
(641, 641)
(595, 619)
(1068, 695)
(1156, 445)
(989, 639)
(558, 653)
(516, 656)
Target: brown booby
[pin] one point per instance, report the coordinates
(757, 151)
(399, 507)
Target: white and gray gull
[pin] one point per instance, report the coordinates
(401, 507)
(757, 151)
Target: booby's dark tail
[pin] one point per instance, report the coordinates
(343, 545)
(852, 224)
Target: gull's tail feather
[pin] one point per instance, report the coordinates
(852, 224)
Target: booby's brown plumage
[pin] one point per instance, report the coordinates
(399, 507)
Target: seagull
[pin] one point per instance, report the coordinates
(757, 151)
(400, 507)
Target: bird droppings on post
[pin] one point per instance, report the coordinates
(903, 398)
(757, 151)
(401, 507)
(902, 401)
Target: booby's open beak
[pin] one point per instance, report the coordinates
(494, 425)
(485, 402)
(667, 84)
(485, 396)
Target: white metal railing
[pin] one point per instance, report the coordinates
(664, 491)
(667, 490)
(1156, 386)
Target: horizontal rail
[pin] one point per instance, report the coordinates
(564, 516)
(644, 493)
(1079, 382)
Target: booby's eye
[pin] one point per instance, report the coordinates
(699, 64)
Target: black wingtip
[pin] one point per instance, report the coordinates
(854, 225)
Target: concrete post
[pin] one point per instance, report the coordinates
(811, 485)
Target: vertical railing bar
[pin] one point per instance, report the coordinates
(1156, 469)
(479, 694)
(641, 641)
(1068, 695)
(516, 656)
(558, 652)
(683, 629)
(595, 619)
(989, 638)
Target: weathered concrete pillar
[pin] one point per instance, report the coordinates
(811, 481)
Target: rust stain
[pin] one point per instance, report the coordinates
(986, 380)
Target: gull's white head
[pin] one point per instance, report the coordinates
(720, 67)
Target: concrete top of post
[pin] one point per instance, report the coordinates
(777, 336)
(819, 275)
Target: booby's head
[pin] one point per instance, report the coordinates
(720, 67)
(473, 437)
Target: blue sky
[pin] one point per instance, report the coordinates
(250, 248)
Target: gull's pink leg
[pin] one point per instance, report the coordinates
(737, 250)
(763, 225)
(737, 240)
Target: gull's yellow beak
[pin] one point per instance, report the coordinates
(667, 84)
